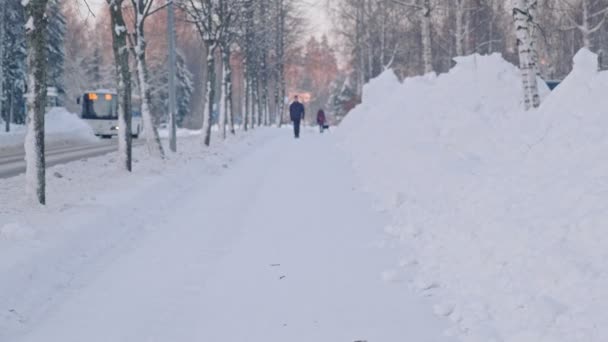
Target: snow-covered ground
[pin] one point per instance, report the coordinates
(261, 238)
(487, 223)
(60, 126)
(501, 214)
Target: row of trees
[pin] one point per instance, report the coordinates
(50, 37)
(258, 34)
(311, 72)
(419, 36)
(13, 57)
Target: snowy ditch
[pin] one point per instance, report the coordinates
(500, 214)
(60, 126)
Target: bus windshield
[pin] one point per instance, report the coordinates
(99, 106)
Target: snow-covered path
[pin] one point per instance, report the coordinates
(279, 246)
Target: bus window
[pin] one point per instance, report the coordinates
(99, 107)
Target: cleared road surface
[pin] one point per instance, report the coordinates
(13, 163)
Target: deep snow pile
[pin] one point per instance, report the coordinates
(499, 213)
(59, 125)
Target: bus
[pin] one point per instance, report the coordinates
(100, 111)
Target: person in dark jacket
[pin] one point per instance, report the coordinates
(321, 120)
(296, 112)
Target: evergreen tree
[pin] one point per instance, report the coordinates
(14, 61)
(56, 30)
(95, 66)
(344, 98)
(159, 105)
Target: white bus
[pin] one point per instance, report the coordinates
(100, 111)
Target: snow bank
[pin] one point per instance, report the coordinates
(60, 125)
(180, 132)
(499, 213)
(14, 231)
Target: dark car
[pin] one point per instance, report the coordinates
(552, 84)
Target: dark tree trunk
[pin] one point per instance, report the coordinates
(36, 100)
(207, 123)
(123, 73)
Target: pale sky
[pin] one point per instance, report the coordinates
(315, 11)
(317, 14)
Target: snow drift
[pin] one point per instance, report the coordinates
(499, 213)
(60, 125)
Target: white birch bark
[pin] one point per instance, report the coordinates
(36, 100)
(460, 34)
(2, 24)
(425, 23)
(123, 77)
(210, 93)
(359, 31)
(251, 107)
(585, 27)
(150, 132)
(228, 91)
(525, 46)
(533, 24)
(222, 100)
(244, 102)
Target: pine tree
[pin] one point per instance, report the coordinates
(14, 61)
(56, 30)
(95, 65)
(160, 91)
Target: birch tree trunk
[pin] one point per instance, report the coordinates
(228, 90)
(382, 34)
(36, 99)
(525, 46)
(281, 67)
(10, 109)
(359, 29)
(283, 94)
(2, 38)
(123, 76)
(275, 74)
(264, 99)
(250, 67)
(425, 23)
(246, 102)
(586, 25)
(210, 93)
(252, 103)
(276, 91)
(171, 37)
(222, 97)
(468, 42)
(152, 138)
(460, 27)
(533, 24)
(264, 65)
(258, 103)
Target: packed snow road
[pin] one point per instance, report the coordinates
(12, 162)
(277, 244)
